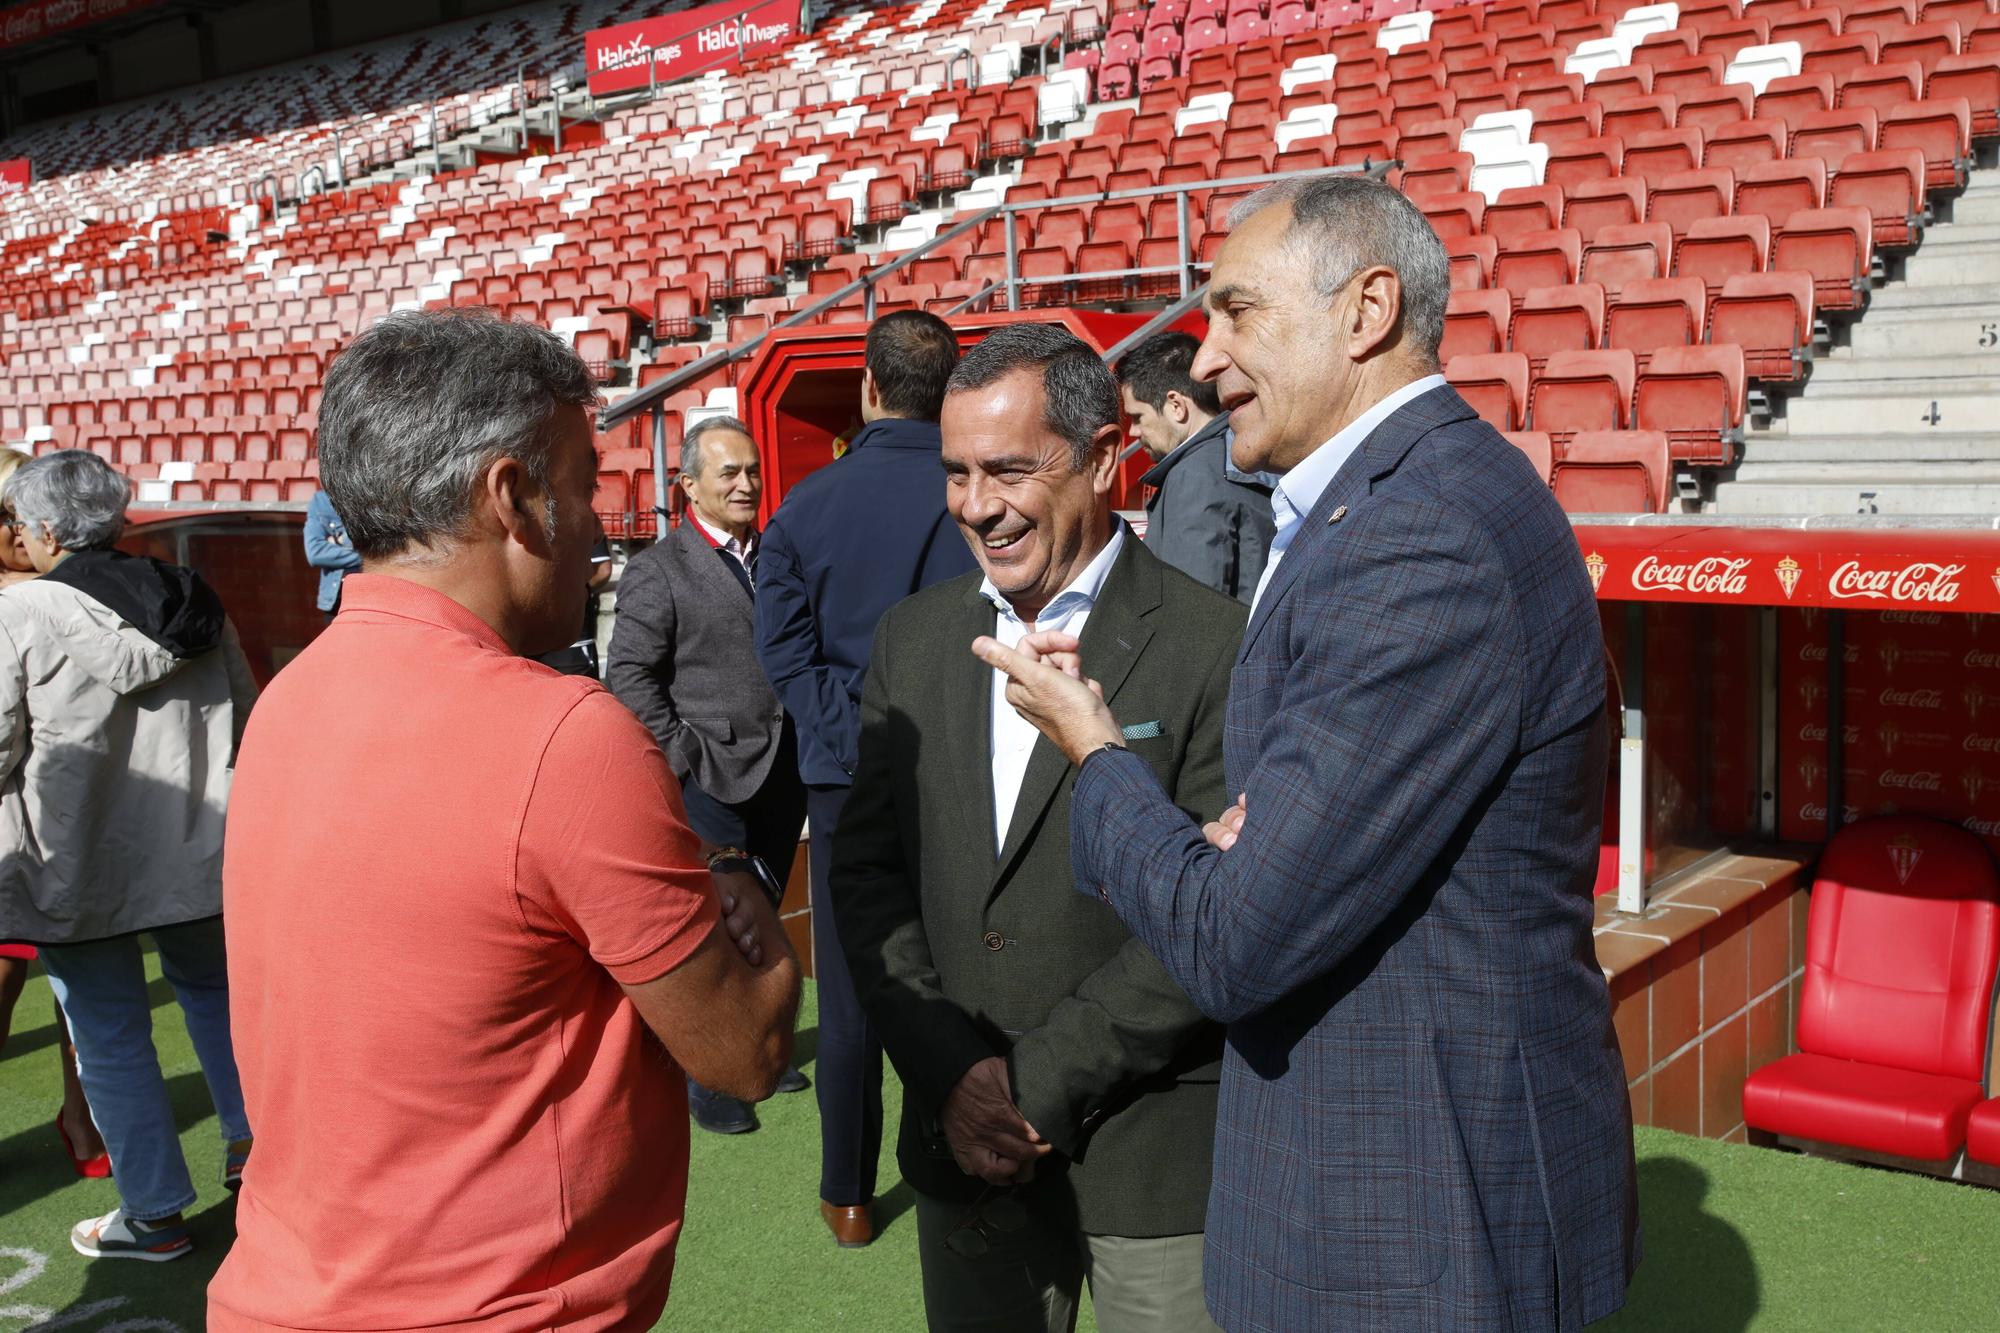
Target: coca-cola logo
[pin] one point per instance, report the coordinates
(1982, 660)
(1816, 733)
(1912, 618)
(1922, 581)
(1715, 574)
(1816, 652)
(1985, 828)
(1977, 744)
(1911, 698)
(1814, 813)
(60, 12)
(1922, 780)
(22, 25)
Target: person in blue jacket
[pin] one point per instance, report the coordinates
(328, 551)
(849, 542)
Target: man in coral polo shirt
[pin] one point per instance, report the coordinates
(464, 909)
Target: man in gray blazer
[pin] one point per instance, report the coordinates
(1203, 517)
(684, 658)
(1059, 1089)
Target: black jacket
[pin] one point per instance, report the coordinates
(958, 954)
(1206, 519)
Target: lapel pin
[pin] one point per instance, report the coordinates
(1336, 516)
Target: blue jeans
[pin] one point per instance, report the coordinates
(102, 989)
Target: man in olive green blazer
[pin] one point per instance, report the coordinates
(1059, 1089)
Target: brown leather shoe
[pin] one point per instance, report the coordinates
(852, 1228)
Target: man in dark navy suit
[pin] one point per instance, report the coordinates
(849, 542)
(1423, 1120)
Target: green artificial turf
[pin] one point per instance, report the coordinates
(1736, 1237)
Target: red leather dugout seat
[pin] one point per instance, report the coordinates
(1901, 948)
(1982, 1133)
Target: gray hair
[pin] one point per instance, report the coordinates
(691, 443)
(1080, 396)
(1343, 224)
(420, 406)
(80, 497)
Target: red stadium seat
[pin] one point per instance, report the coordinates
(1713, 107)
(1942, 129)
(1495, 385)
(1888, 183)
(1434, 174)
(1686, 75)
(1524, 208)
(1556, 319)
(1902, 942)
(1472, 259)
(1613, 472)
(1566, 124)
(1475, 323)
(1641, 115)
(1836, 246)
(1742, 144)
(1580, 161)
(1975, 77)
(1579, 391)
(1770, 316)
(1535, 444)
(1794, 96)
(1832, 135)
(1454, 215)
(1779, 189)
(1539, 259)
(1697, 395)
(1882, 86)
(1685, 198)
(1841, 54)
(1663, 152)
(1595, 205)
(1619, 255)
(1654, 313)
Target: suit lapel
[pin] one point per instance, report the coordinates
(1378, 456)
(967, 686)
(705, 564)
(1112, 640)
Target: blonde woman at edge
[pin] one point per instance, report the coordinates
(79, 1133)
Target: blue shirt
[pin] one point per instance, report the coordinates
(1299, 490)
(327, 549)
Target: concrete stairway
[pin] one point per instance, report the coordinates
(1904, 418)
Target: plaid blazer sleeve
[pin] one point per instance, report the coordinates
(1399, 708)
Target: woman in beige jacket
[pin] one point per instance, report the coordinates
(123, 692)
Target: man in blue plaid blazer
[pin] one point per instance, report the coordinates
(1423, 1119)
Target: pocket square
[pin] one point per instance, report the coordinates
(1143, 731)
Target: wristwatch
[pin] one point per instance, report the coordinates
(731, 860)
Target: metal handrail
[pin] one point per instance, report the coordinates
(951, 60)
(1162, 320)
(659, 390)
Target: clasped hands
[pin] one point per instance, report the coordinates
(989, 1136)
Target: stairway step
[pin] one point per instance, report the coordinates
(1790, 497)
(1895, 410)
(1960, 374)
(1908, 296)
(1940, 265)
(1761, 448)
(1939, 332)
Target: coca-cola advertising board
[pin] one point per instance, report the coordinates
(1921, 719)
(31, 22)
(16, 173)
(1909, 570)
(675, 46)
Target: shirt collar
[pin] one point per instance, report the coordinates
(716, 537)
(385, 594)
(1083, 590)
(1299, 490)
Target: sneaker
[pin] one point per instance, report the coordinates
(115, 1236)
(233, 1161)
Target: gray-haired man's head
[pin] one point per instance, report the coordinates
(1328, 295)
(1031, 437)
(70, 500)
(721, 474)
(418, 408)
(457, 448)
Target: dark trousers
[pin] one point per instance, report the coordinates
(766, 825)
(849, 1078)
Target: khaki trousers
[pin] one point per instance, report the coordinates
(1030, 1280)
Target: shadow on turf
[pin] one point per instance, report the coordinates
(1698, 1271)
(25, 1040)
(33, 1166)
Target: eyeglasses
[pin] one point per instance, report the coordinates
(995, 1210)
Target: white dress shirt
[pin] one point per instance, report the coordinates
(1299, 490)
(743, 552)
(1013, 736)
